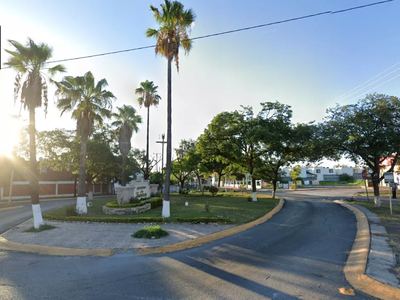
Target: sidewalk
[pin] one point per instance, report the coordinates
(381, 258)
(106, 235)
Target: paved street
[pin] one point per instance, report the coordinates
(298, 254)
(12, 217)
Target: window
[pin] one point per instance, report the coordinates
(318, 170)
(330, 170)
(355, 171)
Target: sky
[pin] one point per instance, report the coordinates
(309, 64)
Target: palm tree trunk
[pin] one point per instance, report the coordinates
(146, 174)
(33, 173)
(166, 206)
(81, 207)
(123, 173)
(34, 176)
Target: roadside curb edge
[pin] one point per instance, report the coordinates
(212, 237)
(356, 264)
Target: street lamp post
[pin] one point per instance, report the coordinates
(162, 159)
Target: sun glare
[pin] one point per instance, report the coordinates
(9, 134)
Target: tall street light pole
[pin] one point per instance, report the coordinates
(162, 159)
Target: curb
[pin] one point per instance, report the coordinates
(7, 245)
(356, 264)
(212, 237)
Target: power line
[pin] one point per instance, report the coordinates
(229, 31)
(361, 86)
(366, 92)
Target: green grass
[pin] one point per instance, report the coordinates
(41, 228)
(371, 193)
(383, 212)
(391, 223)
(150, 232)
(342, 183)
(232, 206)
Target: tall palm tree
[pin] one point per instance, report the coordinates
(89, 104)
(175, 23)
(127, 123)
(31, 87)
(148, 97)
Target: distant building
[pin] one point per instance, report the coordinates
(325, 174)
(51, 184)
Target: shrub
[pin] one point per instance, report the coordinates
(346, 178)
(207, 207)
(204, 220)
(134, 200)
(106, 220)
(242, 187)
(213, 190)
(154, 203)
(70, 210)
(41, 228)
(150, 232)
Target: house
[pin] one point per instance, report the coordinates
(325, 174)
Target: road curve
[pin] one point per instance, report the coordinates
(297, 254)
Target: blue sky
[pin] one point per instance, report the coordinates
(307, 64)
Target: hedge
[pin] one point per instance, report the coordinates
(204, 220)
(106, 220)
(138, 220)
(153, 202)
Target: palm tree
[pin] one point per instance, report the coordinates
(175, 22)
(31, 87)
(148, 97)
(89, 103)
(127, 123)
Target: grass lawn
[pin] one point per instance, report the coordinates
(391, 223)
(41, 228)
(233, 206)
(371, 194)
(342, 183)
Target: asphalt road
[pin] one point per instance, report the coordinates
(298, 254)
(12, 217)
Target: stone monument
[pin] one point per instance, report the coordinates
(135, 189)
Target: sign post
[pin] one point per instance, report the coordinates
(390, 198)
(365, 176)
(389, 178)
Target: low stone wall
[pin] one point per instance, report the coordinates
(126, 210)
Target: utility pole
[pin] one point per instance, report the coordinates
(162, 159)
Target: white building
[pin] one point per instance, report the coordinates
(326, 174)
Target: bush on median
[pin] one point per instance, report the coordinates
(153, 202)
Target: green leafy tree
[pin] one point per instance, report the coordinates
(367, 132)
(31, 88)
(210, 149)
(89, 103)
(141, 157)
(157, 178)
(175, 23)
(286, 144)
(59, 148)
(294, 174)
(183, 166)
(126, 122)
(148, 97)
(60, 151)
